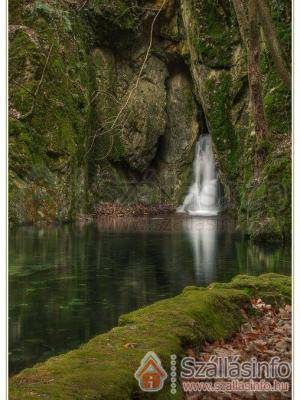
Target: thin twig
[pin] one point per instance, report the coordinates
(143, 65)
(122, 109)
(44, 70)
(23, 87)
(39, 85)
(83, 5)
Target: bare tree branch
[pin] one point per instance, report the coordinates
(142, 67)
(115, 122)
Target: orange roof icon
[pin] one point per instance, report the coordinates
(151, 374)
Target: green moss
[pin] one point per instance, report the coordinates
(43, 9)
(216, 33)
(261, 192)
(218, 89)
(277, 102)
(50, 86)
(104, 367)
(120, 14)
(282, 16)
(266, 206)
(273, 288)
(265, 195)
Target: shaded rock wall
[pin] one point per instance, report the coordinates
(50, 85)
(151, 144)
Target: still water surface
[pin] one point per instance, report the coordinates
(68, 283)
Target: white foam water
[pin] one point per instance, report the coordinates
(202, 197)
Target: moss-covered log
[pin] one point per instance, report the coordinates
(104, 367)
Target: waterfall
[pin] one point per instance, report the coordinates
(202, 197)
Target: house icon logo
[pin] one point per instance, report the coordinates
(151, 374)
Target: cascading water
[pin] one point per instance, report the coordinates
(202, 197)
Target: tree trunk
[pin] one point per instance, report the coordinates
(254, 72)
(242, 19)
(249, 30)
(272, 42)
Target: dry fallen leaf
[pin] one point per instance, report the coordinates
(130, 345)
(263, 337)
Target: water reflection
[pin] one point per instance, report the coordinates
(68, 283)
(202, 233)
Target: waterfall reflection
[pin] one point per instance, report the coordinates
(202, 233)
(68, 283)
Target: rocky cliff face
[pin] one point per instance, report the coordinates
(89, 123)
(50, 79)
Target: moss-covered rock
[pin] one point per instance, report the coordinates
(118, 14)
(104, 367)
(270, 287)
(266, 203)
(50, 88)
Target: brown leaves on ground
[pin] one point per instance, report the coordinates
(263, 337)
(139, 209)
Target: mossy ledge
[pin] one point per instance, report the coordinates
(103, 368)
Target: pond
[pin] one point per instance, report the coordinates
(68, 283)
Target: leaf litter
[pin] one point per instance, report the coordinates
(263, 336)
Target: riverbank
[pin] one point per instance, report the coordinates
(103, 368)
